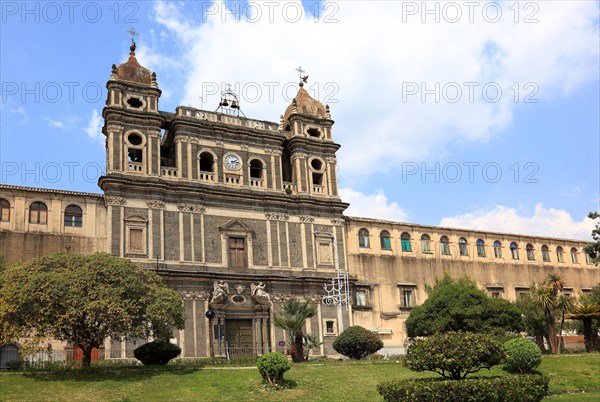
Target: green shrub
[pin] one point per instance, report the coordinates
(523, 388)
(272, 366)
(357, 343)
(522, 355)
(156, 353)
(454, 355)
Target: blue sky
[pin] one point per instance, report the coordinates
(483, 116)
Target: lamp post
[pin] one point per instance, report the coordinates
(210, 315)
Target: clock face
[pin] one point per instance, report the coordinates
(232, 162)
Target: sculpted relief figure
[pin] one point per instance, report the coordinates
(258, 293)
(220, 292)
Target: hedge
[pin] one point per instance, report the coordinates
(523, 388)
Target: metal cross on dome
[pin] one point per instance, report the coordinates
(133, 33)
(304, 78)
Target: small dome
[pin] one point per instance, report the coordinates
(133, 71)
(306, 105)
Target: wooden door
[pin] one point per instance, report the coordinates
(237, 252)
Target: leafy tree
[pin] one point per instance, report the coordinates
(454, 355)
(84, 300)
(357, 343)
(593, 250)
(586, 313)
(292, 318)
(458, 305)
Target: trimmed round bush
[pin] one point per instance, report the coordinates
(156, 353)
(357, 343)
(272, 366)
(522, 355)
(454, 355)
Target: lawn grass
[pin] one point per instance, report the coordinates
(573, 378)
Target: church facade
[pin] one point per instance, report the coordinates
(239, 215)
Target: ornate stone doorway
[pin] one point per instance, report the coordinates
(238, 335)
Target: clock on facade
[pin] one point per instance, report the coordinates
(232, 162)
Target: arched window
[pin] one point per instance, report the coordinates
(497, 249)
(530, 253)
(384, 237)
(317, 173)
(425, 244)
(574, 259)
(462, 247)
(514, 251)
(4, 210)
(73, 216)
(256, 168)
(405, 241)
(444, 245)
(38, 213)
(545, 254)
(480, 248)
(207, 162)
(363, 238)
(559, 254)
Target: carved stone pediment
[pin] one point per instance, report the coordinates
(235, 225)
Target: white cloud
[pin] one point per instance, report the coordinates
(64, 123)
(20, 111)
(371, 205)
(94, 127)
(367, 60)
(543, 222)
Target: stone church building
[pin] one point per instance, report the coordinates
(239, 215)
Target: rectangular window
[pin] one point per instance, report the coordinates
(38, 216)
(73, 221)
(521, 292)
(330, 327)
(4, 214)
(136, 241)
(497, 252)
(545, 256)
(574, 257)
(408, 297)
(406, 245)
(361, 298)
(495, 293)
(237, 252)
(385, 243)
(425, 247)
(530, 256)
(480, 250)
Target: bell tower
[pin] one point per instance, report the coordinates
(309, 160)
(132, 121)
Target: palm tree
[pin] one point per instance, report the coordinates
(565, 304)
(586, 313)
(547, 296)
(293, 316)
